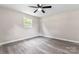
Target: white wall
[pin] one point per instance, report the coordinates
(64, 26)
(11, 26)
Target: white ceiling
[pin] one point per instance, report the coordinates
(56, 8)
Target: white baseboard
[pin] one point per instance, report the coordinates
(2, 43)
(61, 39)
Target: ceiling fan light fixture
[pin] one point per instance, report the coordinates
(39, 9)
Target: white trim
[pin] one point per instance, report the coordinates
(36, 36)
(61, 39)
(18, 39)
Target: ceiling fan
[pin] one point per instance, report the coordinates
(40, 7)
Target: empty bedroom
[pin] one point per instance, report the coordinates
(39, 28)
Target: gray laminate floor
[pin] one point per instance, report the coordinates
(40, 45)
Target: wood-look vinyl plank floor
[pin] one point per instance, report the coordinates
(40, 45)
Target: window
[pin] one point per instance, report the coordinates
(27, 22)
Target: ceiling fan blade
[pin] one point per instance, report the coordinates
(35, 10)
(43, 11)
(47, 7)
(33, 6)
(38, 5)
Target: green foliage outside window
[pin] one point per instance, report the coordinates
(27, 22)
